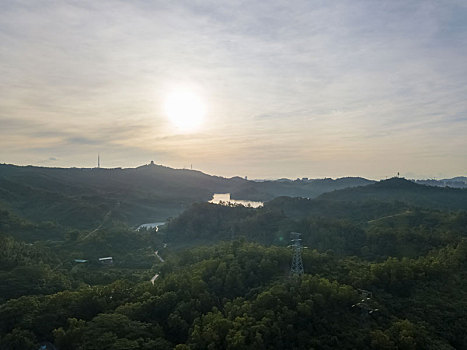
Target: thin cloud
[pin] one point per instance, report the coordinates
(294, 83)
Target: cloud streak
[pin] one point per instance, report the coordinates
(325, 88)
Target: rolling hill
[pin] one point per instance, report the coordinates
(83, 197)
(402, 190)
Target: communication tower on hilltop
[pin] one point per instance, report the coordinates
(98, 160)
(297, 264)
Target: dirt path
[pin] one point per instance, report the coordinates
(389, 216)
(106, 216)
(156, 253)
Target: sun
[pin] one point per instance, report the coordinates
(185, 110)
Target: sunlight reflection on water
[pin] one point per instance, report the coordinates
(224, 198)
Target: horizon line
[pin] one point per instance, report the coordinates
(151, 163)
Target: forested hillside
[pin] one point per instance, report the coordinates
(398, 189)
(238, 295)
(385, 268)
(83, 198)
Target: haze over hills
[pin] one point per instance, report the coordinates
(399, 189)
(458, 181)
(82, 197)
(392, 198)
(402, 242)
(293, 256)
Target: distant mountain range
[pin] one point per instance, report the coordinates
(456, 182)
(83, 197)
(406, 191)
(360, 204)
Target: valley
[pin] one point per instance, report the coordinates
(219, 275)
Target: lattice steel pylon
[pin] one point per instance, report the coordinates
(297, 264)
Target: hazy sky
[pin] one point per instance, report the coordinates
(290, 88)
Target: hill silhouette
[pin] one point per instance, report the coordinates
(84, 197)
(399, 189)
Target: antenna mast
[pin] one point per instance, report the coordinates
(98, 160)
(297, 264)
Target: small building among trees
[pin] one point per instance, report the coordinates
(106, 261)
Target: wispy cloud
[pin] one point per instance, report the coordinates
(325, 88)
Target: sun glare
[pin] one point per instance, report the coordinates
(185, 110)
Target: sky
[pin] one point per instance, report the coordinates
(288, 88)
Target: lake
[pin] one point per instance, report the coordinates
(224, 198)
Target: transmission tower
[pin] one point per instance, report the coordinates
(297, 264)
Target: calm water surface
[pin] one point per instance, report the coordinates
(221, 198)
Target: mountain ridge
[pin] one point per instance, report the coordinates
(148, 193)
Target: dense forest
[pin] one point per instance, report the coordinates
(80, 197)
(385, 268)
